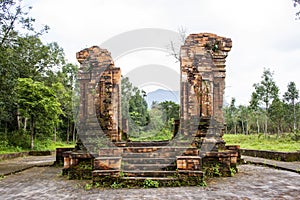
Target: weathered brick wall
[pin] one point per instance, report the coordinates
(202, 64)
(100, 101)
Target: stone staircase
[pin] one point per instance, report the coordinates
(154, 162)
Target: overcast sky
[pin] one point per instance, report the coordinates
(265, 33)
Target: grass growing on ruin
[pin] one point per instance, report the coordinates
(285, 142)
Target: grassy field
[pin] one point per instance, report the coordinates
(40, 146)
(285, 142)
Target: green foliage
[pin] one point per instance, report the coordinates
(202, 184)
(116, 185)
(232, 171)
(148, 183)
(291, 95)
(146, 125)
(134, 106)
(40, 145)
(170, 110)
(267, 89)
(266, 92)
(213, 171)
(266, 111)
(153, 135)
(38, 103)
(26, 61)
(88, 186)
(296, 136)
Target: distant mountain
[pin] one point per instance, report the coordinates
(161, 95)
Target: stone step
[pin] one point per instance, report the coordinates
(151, 178)
(151, 155)
(107, 163)
(191, 173)
(149, 160)
(152, 167)
(149, 173)
(99, 173)
(161, 149)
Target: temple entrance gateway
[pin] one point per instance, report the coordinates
(201, 127)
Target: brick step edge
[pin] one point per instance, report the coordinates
(151, 178)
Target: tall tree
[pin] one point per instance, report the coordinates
(266, 92)
(231, 117)
(254, 107)
(134, 106)
(170, 110)
(291, 95)
(22, 55)
(38, 103)
(244, 115)
(277, 114)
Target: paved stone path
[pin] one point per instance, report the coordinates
(19, 164)
(289, 166)
(252, 182)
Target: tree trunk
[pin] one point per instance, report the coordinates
(68, 131)
(235, 128)
(74, 136)
(294, 107)
(54, 139)
(25, 124)
(31, 132)
(18, 119)
(243, 128)
(266, 125)
(257, 124)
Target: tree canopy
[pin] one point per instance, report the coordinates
(36, 82)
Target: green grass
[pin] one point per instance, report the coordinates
(284, 142)
(161, 135)
(39, 146)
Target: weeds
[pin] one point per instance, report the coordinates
(88, 186)
(232, 171)
(213, 171)
(2, 177)
(116, 185)
(148, 183)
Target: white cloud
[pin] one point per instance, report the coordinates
(264, 33)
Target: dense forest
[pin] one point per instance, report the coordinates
(36, 83)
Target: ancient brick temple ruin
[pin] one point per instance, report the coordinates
(202, 88)
(100, 85)
(198, 142)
